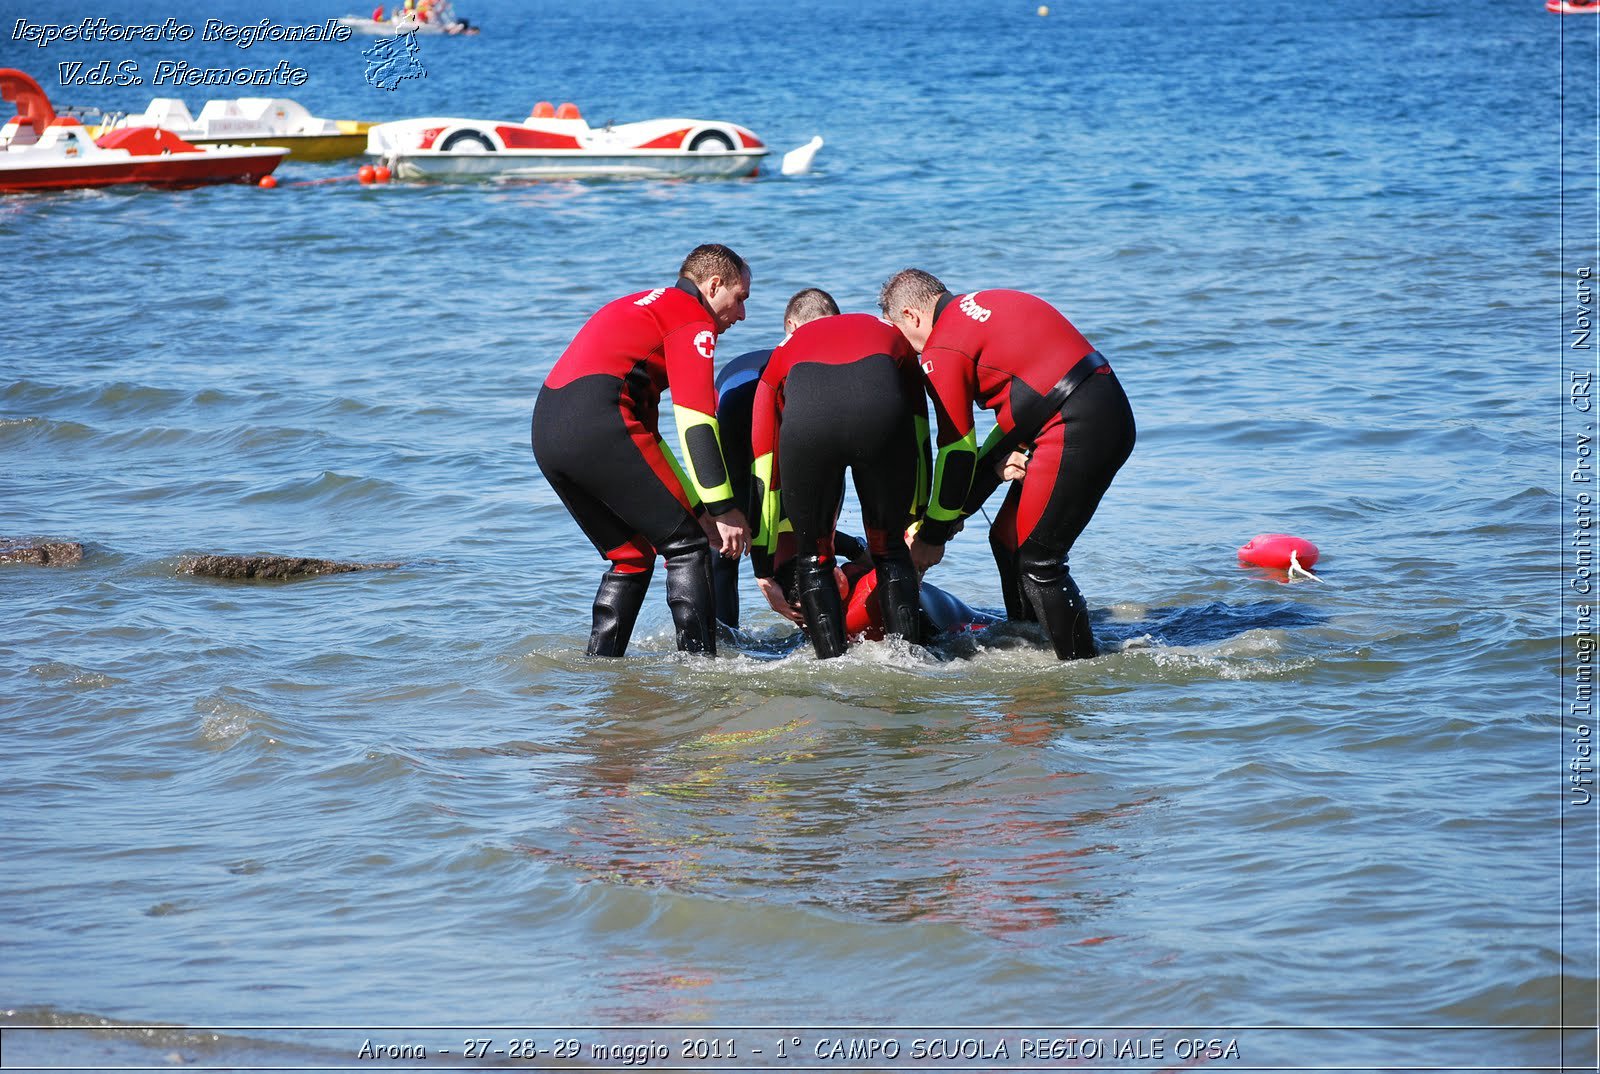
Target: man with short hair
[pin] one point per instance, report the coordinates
(839, 393)
(596, 439)
(1016, 355)
(736, 394)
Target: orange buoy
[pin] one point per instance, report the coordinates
(267, 182)
(1281, 552)
(380, 174)
(365, 173)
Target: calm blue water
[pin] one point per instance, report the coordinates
(1320, 246)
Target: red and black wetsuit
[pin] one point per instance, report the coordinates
(596, 438)
(1016, 355)
(840, 393)
(736, 394)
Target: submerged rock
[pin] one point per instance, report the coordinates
(41, 553)
(271, 568)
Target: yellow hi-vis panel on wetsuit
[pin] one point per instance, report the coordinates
(995, 436)
(702, 444)
(683, 478)
(765, 534)
(959, 457)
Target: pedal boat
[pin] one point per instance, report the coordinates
(40, 150)
(559, 144)
(252, 121)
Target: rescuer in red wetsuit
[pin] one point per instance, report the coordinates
(840, 393)
(1018, 356)
(595, 437)
(736, 395)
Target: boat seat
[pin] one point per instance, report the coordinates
(168, 112)
(19, 131)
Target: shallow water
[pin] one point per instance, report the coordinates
(1320, 249)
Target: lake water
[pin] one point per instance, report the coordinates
(1325, 251)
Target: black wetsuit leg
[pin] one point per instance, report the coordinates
(622, 587)
(1003, 544)
(856, 416)
(815, 466)
(733, 417)
(725, 587)
(629, 504)
(689, 588)
(1073, 463)
(887, 489)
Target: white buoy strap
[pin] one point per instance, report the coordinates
(1294, 565)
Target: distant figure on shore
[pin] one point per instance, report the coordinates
(596, 439)
(1050, 391)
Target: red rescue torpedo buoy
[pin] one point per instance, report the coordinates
(1279, 551)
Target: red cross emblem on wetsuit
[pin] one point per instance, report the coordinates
(706, 344)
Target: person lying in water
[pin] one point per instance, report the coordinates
(942, 613)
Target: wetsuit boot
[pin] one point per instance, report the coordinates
(689, 592)
(898, 598)
(819, 600)
(616, 607)
(1048, 587)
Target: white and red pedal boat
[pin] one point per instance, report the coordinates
(439, 18)
(40, 150)
(559, 144)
